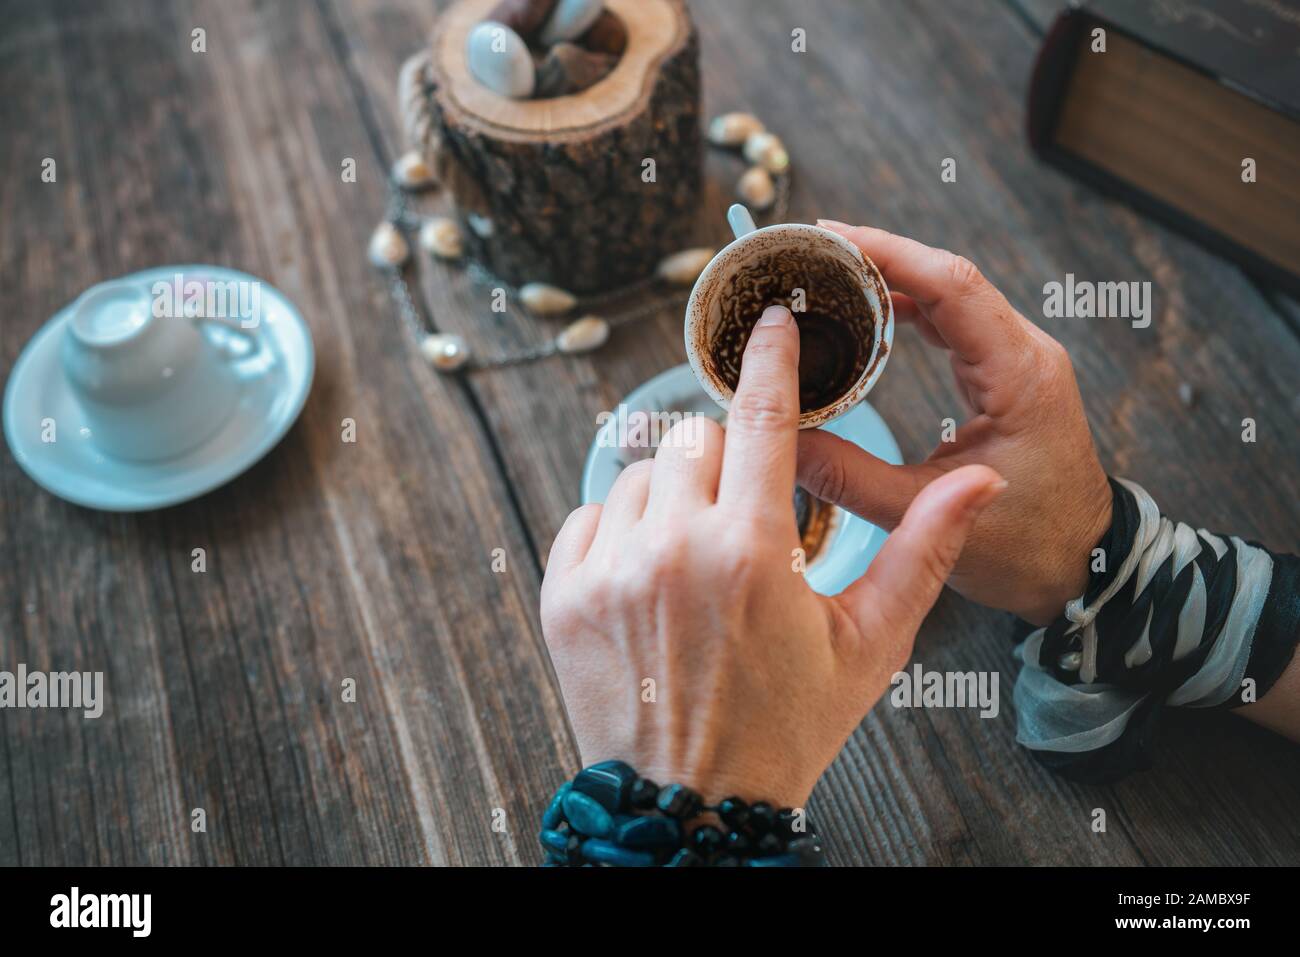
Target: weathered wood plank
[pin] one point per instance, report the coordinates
(327, 561)
(372, 560)
(883, 94)
(1039, 13)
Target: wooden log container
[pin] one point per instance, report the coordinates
(559, 190)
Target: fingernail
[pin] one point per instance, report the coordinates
(775, 316)
(990, 492)
(834, 224)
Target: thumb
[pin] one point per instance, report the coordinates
(903, 582)
(837, 471)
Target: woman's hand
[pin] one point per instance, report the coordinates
(685, 641)
(1030, 552)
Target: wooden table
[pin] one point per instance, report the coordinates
(373, 560)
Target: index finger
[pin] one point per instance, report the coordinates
(974, 319)
(758, 457)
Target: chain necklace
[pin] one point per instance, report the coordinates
(449, 353)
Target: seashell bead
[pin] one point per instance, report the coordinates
(545, 300)
(441, 237)
(412, 172)
(585, 335)
(766, 150)
(388, 248)
(445, 353)
(756, 188)
(683, 268)
(733, 129)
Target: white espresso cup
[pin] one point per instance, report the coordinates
(837, 295)
(151, 385)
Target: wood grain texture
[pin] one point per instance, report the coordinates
(372, 560)
(327, 561)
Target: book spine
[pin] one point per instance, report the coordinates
(1051, 73)
(1049, 81)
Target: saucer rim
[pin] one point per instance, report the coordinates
(302, 389)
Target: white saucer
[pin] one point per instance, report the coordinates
(854, 541)
(75, 469)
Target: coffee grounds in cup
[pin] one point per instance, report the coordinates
(827, 354)
(814, 519)
(836, 327)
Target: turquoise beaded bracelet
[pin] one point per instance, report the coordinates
(610, 816)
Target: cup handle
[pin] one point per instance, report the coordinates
(742, 223)
(239, 331)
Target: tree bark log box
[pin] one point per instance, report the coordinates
(559, 190)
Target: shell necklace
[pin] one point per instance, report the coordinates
(764, 186)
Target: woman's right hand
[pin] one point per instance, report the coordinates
(1029, 552)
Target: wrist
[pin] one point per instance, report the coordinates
(1227, 607)
(714, 786)
(1066, 574)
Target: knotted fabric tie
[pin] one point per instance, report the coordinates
(1179, 618)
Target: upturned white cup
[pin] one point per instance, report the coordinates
(151, 386)
(824, 258)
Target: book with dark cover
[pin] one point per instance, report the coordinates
(1191, 113)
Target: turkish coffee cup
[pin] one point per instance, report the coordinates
(838, 298)
(151, 384)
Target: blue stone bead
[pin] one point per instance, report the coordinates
(707, 840)
(649, 832)
(769, 845)
(609, 782)
(738, 843)
(679, 801)
(643, 794)
(607, 852)
(554, 812)
(779, 860)
(573, 852)
(553, 840)
(586, 816)
(762, 817)
(734, 813)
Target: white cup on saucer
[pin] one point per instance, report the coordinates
(152, 385)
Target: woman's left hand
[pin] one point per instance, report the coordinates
(687, 641)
